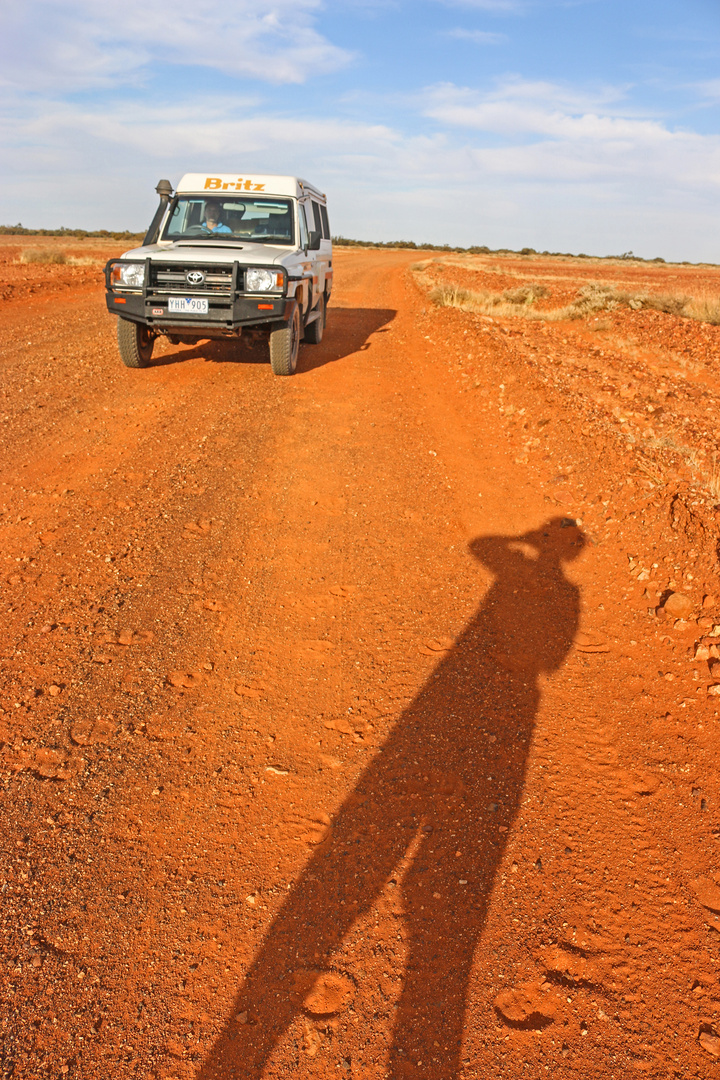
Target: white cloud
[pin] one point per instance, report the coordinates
(182, 130)
(555, 133)
(84, 44)
(479, 37)
(566, 177)
(519, 107)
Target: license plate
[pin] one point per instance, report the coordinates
(187, 305)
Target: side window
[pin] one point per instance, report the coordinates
(304, 237)
(325, 223)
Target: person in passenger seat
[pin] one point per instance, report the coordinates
(212, 222)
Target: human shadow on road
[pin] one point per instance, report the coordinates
(348, 330)
(448, 779)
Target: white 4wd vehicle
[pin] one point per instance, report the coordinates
(222, 254)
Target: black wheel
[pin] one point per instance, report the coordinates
(135, 343)
(284, 345)
(314, 332)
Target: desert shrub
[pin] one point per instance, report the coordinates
(451, 296)
(525, 294)
(672, 305)
(592, 298)
(589, 300)
(43, 255)
(705, 309)
(599, 297)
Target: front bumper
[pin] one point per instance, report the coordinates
(222, 314)
(229, 308)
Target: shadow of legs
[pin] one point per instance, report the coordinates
(433, 809)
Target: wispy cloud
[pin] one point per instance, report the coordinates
(516, 162)
(497, 7)
(520, 107)
(607, 185)
(544, 144)
(84, 44)
(542, 133)
(479, 37)
(709, 91)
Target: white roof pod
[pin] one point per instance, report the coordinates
(233, 183)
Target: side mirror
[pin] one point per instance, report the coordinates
(315, 238)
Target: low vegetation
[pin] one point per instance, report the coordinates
(344, 241)
(589, 300)
(71, 234)
(43, 255)
(49, 255)
(482, 249)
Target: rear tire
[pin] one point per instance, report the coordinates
(135, 343)
(284, 346)
(314, 332)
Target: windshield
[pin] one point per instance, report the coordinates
(259, 220)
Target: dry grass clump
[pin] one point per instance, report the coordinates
(511, 303)
(705, 309)
(598, 297)
(482, 303)
(43, 255)
(58, 258)
(526, 294)
(589, 300)
(713, 478)
(452, 296)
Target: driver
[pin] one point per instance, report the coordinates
(212, 223)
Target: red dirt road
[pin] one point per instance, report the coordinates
(332, 745)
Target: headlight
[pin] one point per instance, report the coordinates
(257, 280)
(132, 275)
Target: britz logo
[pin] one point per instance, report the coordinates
(214, 183)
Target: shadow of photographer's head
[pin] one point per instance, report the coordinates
(559, 540)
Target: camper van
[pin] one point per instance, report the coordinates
(226, 254)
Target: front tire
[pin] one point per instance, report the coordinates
(284, 346)
(135, 343)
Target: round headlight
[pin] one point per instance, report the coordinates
(257, 280)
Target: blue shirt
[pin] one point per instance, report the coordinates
(218, 229)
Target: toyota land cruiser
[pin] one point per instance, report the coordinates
(224, 254)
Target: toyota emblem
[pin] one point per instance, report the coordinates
(194, 277)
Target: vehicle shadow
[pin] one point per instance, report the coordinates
(349, 330)
(432, 811)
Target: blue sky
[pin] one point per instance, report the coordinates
(571, 125)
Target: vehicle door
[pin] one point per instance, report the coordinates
(323, 254)
(315, 271)
(321, 215)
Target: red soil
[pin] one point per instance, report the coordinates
(340, 735)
